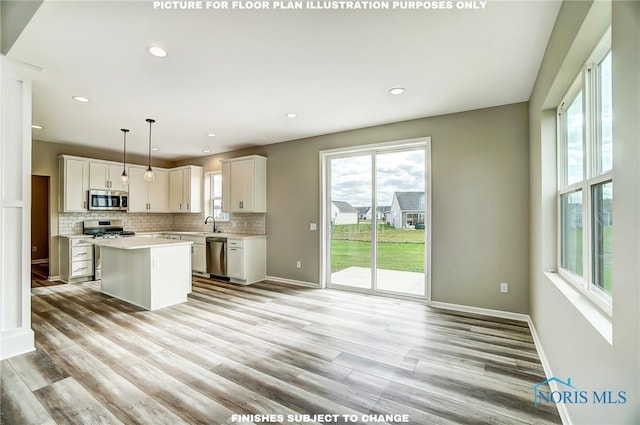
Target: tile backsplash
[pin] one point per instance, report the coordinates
(249, 223)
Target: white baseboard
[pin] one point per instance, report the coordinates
(293, 282)
(54, 278)
(15, 342)
(562, 408)
(553, 385)
(478, 310)
(42, 261)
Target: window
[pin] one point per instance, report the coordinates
(215, 197)
(585, 180)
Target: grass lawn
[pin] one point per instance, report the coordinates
(398, 249)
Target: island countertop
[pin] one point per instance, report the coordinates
(137, 242)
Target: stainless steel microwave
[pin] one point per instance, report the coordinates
(108, 200)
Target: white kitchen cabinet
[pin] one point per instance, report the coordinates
(247, 260)
(147, 196)
(185, 189)
(76, 259)
(198, 253)
(244, 184)
(73, 182)
(105, 176)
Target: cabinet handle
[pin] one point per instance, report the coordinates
(80, 254)
(180, 205)
(187, 206)
(84, 204)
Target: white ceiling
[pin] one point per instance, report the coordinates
(236, 73)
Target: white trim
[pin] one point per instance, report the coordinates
(546, 366)
(553, 385)
(16, 341)
(54, 278)
(41, 261)
(293, 282)
(582, 302)
(479, 310)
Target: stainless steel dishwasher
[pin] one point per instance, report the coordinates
(217, 256)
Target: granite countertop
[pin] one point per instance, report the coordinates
(205, 234)
(137, 243)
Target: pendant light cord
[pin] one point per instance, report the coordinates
(124, 152)
(150, 121)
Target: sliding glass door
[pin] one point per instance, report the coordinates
(376, 219)
(350, 230)
(400, 242)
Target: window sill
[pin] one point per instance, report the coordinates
(594, 315)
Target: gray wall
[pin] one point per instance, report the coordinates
(573, 347)
(480, 180)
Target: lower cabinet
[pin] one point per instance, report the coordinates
(76, 259)
(235, 259)
(247, 260)
(198, 253)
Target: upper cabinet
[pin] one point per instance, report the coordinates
(185, 189)
(176, 190)
(105, 176)
(244, 184)
(147, 196)
(73, 184)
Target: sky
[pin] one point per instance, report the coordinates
(395, 172)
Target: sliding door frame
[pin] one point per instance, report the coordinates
(325, 157)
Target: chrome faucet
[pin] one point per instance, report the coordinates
(215, 228)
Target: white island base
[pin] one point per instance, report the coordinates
(146, 272)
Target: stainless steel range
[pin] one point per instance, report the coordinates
(103, 229)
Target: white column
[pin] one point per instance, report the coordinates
(16, 336)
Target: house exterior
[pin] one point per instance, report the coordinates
(407, 210)
(383, 214)
(343, 213)
(363, 213)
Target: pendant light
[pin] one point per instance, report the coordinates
(149, 175)
(124, 178)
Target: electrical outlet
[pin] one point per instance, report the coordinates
(313, 226)
(504, 287)
(299, 264)
(34, 248)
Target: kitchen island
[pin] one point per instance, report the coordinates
(148, 272)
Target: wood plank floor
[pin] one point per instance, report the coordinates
(268, 349)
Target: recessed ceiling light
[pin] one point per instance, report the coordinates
(157, 51)
(80, 99)
(37, 127)
(206, 151)
(291, 115)
(211, 135)
(155, 149)
(397, 90)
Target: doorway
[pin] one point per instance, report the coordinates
(40, 227)
(376, 218)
